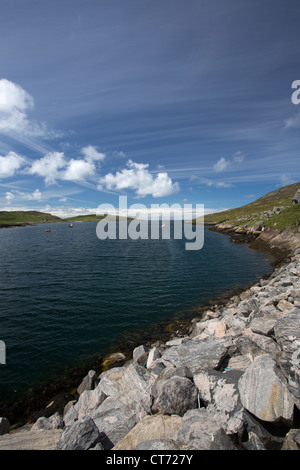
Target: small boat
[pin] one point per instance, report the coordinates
(71, 225)
(48, 230)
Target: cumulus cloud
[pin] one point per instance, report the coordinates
(49, 167)
(9, 164)
(15, 104)
(55, 166)
(91, 154)
(221, 165)
(138, 178)
(13, 97)
(78, 170)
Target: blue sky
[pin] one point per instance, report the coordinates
(165, 101)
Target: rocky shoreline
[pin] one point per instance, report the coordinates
(232, 381)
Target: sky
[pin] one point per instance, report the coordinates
(162, 101)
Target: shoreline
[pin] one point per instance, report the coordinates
(61, 387)
(274, 243)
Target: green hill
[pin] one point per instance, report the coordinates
(274, 209)
(91, 218)
(26, 217)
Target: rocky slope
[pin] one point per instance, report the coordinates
(232, 383)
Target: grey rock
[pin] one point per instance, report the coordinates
(263, 326)
(290, 442)
(140, 353)
(136, 385)
(219, 392)
(157, 427)
(4, 426)
(253, 442)
(153, 355)
(197, 354)
(89, 400)
(88, 383)
(199, 432)
(264, 392)
(176, 396)
(180, 371)
(158, 368)
(114, 421)
(287, 332)
(158, 444)
(247, 306)
(83, 435)
(46, 424)
(71, 415)
(297, 437)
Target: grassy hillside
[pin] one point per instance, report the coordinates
(84, 218)
(90, 218)
(274, 209)
(21, 217)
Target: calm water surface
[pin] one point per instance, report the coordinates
(66, 295)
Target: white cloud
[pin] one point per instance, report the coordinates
(21, 196)
(55, 166)
(49, 167)
(9, 164)
(78, 170)
(221, 165)
(9, 196)
(138, 178)
(91, 154)
(15, 103)
(13, 97)
(35, 196)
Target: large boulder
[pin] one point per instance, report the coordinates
(88, 401)
(150, 428)
(83, 435)
(46, 424)
(88, 383)
(200, 432)
(114, 421)
(175, 396)
(219, 392)
(4, 426)
(135, 387)
(264, 391)
(206, 353)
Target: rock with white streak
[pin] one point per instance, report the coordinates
(264, 392)
(153, 355)
(196, 354)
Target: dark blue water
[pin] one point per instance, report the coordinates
(66, 295)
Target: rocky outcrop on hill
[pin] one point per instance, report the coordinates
(232, 383)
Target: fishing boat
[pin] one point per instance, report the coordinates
(71, 225)
(48, 230)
